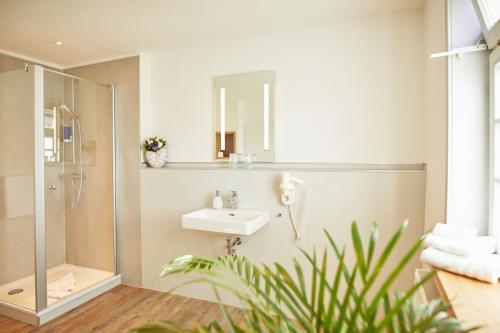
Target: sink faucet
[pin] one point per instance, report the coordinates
(233, 200)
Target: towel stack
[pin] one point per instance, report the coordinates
(457, 249)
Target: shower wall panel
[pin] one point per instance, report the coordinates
(89, 226)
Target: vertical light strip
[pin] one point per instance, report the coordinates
(266, 116)
(39, 193)
(222, 119)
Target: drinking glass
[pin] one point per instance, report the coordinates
(233, 161)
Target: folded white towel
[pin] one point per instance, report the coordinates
(462, 247)
(57, 294)
(61, 287)
(482, 267)
(454, 231)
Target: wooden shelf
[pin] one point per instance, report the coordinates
(473, 302)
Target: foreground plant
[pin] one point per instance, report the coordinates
(356, 299)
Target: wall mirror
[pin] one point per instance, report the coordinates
(244, 115)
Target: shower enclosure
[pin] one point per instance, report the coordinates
(57, 193)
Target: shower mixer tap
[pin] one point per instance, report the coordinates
(76, 193)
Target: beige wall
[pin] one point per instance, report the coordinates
(8, 63)
(124, 74)
(436, 112)
(337, 198)
(89, 225)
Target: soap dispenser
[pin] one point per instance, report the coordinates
(217, 203)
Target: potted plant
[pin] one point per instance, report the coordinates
(156, 151)
(324, 294)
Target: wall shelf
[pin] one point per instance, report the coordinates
(276, 166)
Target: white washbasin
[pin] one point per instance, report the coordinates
(240, 221)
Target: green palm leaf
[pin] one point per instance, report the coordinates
(333, 297)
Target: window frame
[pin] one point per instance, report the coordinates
(494, 227)
(491, 34)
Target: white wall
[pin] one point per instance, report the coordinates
(337, 198)
(468, 122)
(349, 92)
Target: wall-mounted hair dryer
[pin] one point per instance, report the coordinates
(287, 188)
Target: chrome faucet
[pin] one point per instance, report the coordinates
(233, 200)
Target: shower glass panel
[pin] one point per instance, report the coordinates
(79, 200)
(17, 232)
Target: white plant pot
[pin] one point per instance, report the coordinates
(157, 159)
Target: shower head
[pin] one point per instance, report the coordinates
(65, 108)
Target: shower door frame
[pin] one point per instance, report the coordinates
(44, 313)
(39, 194)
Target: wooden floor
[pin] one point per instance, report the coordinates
(122, 309)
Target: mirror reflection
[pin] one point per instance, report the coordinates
(244, 121)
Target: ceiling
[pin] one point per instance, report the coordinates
(95, 30)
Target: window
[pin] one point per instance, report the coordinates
(488, 12)
(495, 145)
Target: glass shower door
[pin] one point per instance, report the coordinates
(17, 232)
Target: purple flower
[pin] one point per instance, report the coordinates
(154, 143)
